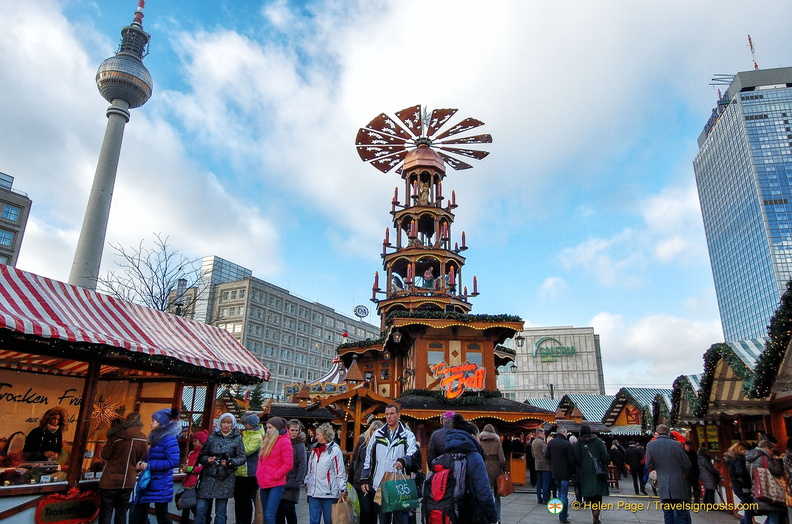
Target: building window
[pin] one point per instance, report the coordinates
(317, 317)
(304, 313)
(241, 293)
(290, 308)
(285, 354)
(275, 302)
(233, 294)
(224, 295)
(11, 212)
(329, 322)
(473, 354)
(4, 259)
(273, 318)
(223, 312)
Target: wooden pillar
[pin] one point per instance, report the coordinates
(83, 423)
(344, 425)
(358, 422)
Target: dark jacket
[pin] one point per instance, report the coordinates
(163, 456)
(479, 502)
(562, 458)
(708, 475)
(633, 457)
(755, 458)
(40, 440)
(616, 457)
(356, 465)
(217, 481)
(693, 473)
(295, 477)
(125, 447)
(667, 456)
(494, 458)
(738, 472)
(590, 484)
(437, 443)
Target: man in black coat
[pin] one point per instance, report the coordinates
(633, 456)
(437, 440)
(562, 467)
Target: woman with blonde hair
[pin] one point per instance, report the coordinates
(275, 461)
(326, 477)
(368, 512)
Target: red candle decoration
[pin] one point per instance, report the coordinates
(453, 198)
(475, 286)
(463, 239)
(439, 190)
(376, 280)
(396, 194)
(456, 246)
(415, 188)
(412, 228)
(387, 235)
(451, 276)
(409, 273)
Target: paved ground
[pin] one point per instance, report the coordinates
(521, 508)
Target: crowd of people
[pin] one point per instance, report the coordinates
(274, 462)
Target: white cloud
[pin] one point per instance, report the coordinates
(654, 350)
(552, 288)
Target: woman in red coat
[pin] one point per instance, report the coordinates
(275, 461)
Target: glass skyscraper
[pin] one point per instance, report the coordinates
(743, 173)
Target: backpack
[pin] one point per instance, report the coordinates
(443, 488)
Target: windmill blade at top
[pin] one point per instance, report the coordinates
(411, 117)
(470, 153)
(465, 125)
(477, 139)
(454, 162)
(438, 118)
(385, 124)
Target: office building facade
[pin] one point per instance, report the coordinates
(553, 362)
(14, 211)
(294, 337)
(743, 171)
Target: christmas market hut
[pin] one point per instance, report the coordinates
(94, 359)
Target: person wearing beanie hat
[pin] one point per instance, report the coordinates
(275, 461)
(437, 440)
(125, 447)
(163, 456)
(246, 486)
(222, 454)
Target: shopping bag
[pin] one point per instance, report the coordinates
(343, 511)
(767, 488)
(141, 484)
(399, 494)
(505, 484)
(186, 499)
(389, 475)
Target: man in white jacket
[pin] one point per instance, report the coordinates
(392, 448)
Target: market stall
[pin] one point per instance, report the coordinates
(92, 359)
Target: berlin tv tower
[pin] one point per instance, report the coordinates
(125, 82)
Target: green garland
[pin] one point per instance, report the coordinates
(462, 317)
(779, 333)
(476, 398)
(501, 347)
(682, 388)
(362, 343)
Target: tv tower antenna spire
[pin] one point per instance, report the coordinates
(125, 82)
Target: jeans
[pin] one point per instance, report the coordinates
(744, 498)
(113, 500)
(319, 509)
(542, 486)
(563, 493)
(204, 508)
(498, 503)
(287, 512)
(140, 513)
(270, 500)
(678, 516)
(245, 489)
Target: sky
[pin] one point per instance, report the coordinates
(585, 213)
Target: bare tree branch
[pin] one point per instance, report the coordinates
(150, 275)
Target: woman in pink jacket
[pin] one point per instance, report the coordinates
(275, 461)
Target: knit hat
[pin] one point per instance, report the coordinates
(448, 415)
(253, 421)
(227, 415)
(277, 423)
(201, 437)
(585, 429)
(164, 416)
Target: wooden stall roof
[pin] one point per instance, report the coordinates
(423, 407)
(41, 309)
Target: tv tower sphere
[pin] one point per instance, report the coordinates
(123, 76)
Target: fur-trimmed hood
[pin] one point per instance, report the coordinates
(122, 426)
(171, 428)
(486, 435)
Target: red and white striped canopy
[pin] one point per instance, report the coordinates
(33, 305)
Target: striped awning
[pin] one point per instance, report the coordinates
(749, 350)
(43, 308)
(593, 407)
